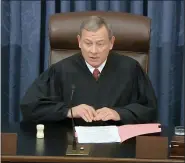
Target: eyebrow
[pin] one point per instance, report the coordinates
(91, 41)
(87, 40)
(100, 41)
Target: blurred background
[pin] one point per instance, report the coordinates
(25, 48)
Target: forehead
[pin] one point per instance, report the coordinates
(100, 33)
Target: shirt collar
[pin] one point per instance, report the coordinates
(100, 68)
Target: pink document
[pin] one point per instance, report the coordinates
(129, 131)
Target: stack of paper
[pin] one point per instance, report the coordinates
(130, 131)
(110, 134)
(100, 134)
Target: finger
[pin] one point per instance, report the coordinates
(98, 111)
(90, 112)
(87, 115)
(97, 117)
(83, 115)
(105, 114)
(100, 116)
(84, 118)
(101, 110)
(93, 112)
(107, 117)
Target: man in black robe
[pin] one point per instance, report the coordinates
(107, 88)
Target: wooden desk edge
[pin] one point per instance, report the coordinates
(82, 159)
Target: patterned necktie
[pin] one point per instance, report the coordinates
(96, 74)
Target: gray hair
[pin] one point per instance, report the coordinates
(93, 23)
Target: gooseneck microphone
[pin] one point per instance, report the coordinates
(73, 124)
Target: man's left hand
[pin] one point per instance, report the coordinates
(106, 114)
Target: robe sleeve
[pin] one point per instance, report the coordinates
(43, 100)
(142, 107)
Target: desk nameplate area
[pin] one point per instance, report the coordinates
(177, 147)
(8, 143)
(151, 147)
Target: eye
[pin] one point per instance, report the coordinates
(100, 44)
(88, 43)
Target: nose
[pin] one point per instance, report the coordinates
(93, 49)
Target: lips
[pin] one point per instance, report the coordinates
(94, 58)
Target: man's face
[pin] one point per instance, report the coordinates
(95, 46)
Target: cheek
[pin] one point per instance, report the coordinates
(84, 48)
(105, 49)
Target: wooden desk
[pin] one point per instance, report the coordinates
(53, 147)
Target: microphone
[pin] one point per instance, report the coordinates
(75, 149)
(73, 124)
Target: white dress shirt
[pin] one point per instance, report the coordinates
(100, 68)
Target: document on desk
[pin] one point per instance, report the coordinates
(98, 134)
(110, 134)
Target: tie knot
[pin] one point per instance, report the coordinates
(96, 73)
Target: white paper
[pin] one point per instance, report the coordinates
(99, 134)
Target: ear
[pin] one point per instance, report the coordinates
(79, 41)
(112, 42)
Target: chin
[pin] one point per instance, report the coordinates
(96, 65)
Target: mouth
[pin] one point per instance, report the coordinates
(94, 58)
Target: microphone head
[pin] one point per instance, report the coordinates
(73, 86)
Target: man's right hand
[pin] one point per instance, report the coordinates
(83, 111)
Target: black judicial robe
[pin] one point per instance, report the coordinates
(122, 86)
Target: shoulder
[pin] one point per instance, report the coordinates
(123, 61)
(58, 67)
(69, 61)
(125, 64)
